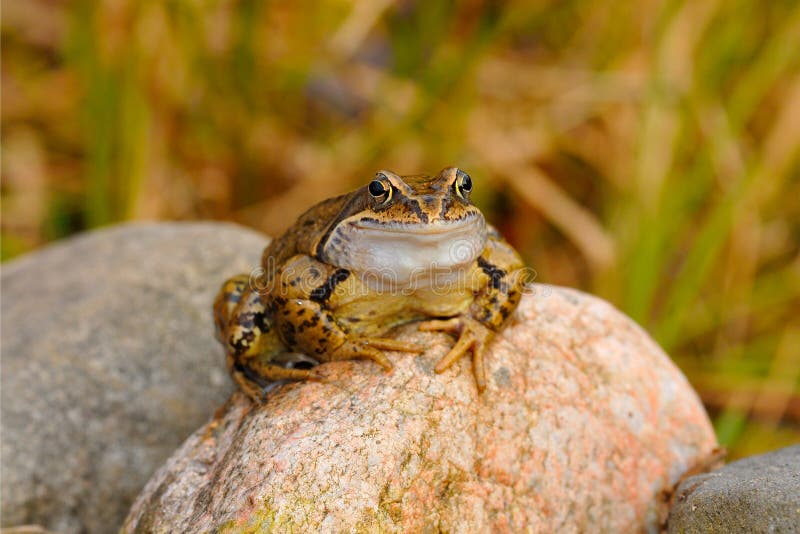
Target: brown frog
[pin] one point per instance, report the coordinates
(399, 249)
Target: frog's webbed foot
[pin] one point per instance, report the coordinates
(472, 336)
(370, 348)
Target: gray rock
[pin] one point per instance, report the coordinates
(753, 495)
(108, 364)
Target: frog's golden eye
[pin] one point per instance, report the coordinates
(380, 189)
(463, 184)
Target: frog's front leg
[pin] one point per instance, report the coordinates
(303, 306)
(498, 297)
(253, 353)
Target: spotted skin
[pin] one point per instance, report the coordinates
(314, 306)
(244, 325)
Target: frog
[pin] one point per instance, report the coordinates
(354, 267)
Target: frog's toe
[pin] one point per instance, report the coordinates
(478, 366)
(315, 375)
(371, 348)
(465, 342)
(376, 356)
(393, 344)
(272, 373)
(451, 326)
(361, 349)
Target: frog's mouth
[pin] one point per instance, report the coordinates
(402, 254)
(435, 228)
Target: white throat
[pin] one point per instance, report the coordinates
(403, 258)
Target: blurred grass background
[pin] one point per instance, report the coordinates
(645, 151)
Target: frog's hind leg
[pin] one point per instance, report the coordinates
(228, 297)
(255, 354)
(256, 377)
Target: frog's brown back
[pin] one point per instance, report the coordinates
(309, 229)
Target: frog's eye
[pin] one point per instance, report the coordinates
(463, 184)
(381, 190)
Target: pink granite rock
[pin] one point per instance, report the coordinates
(585, 422)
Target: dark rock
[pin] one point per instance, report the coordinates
(109, 363)
(753, 495)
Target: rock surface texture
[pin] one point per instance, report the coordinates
(108, 363)
(759, 494)
(585, 422)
